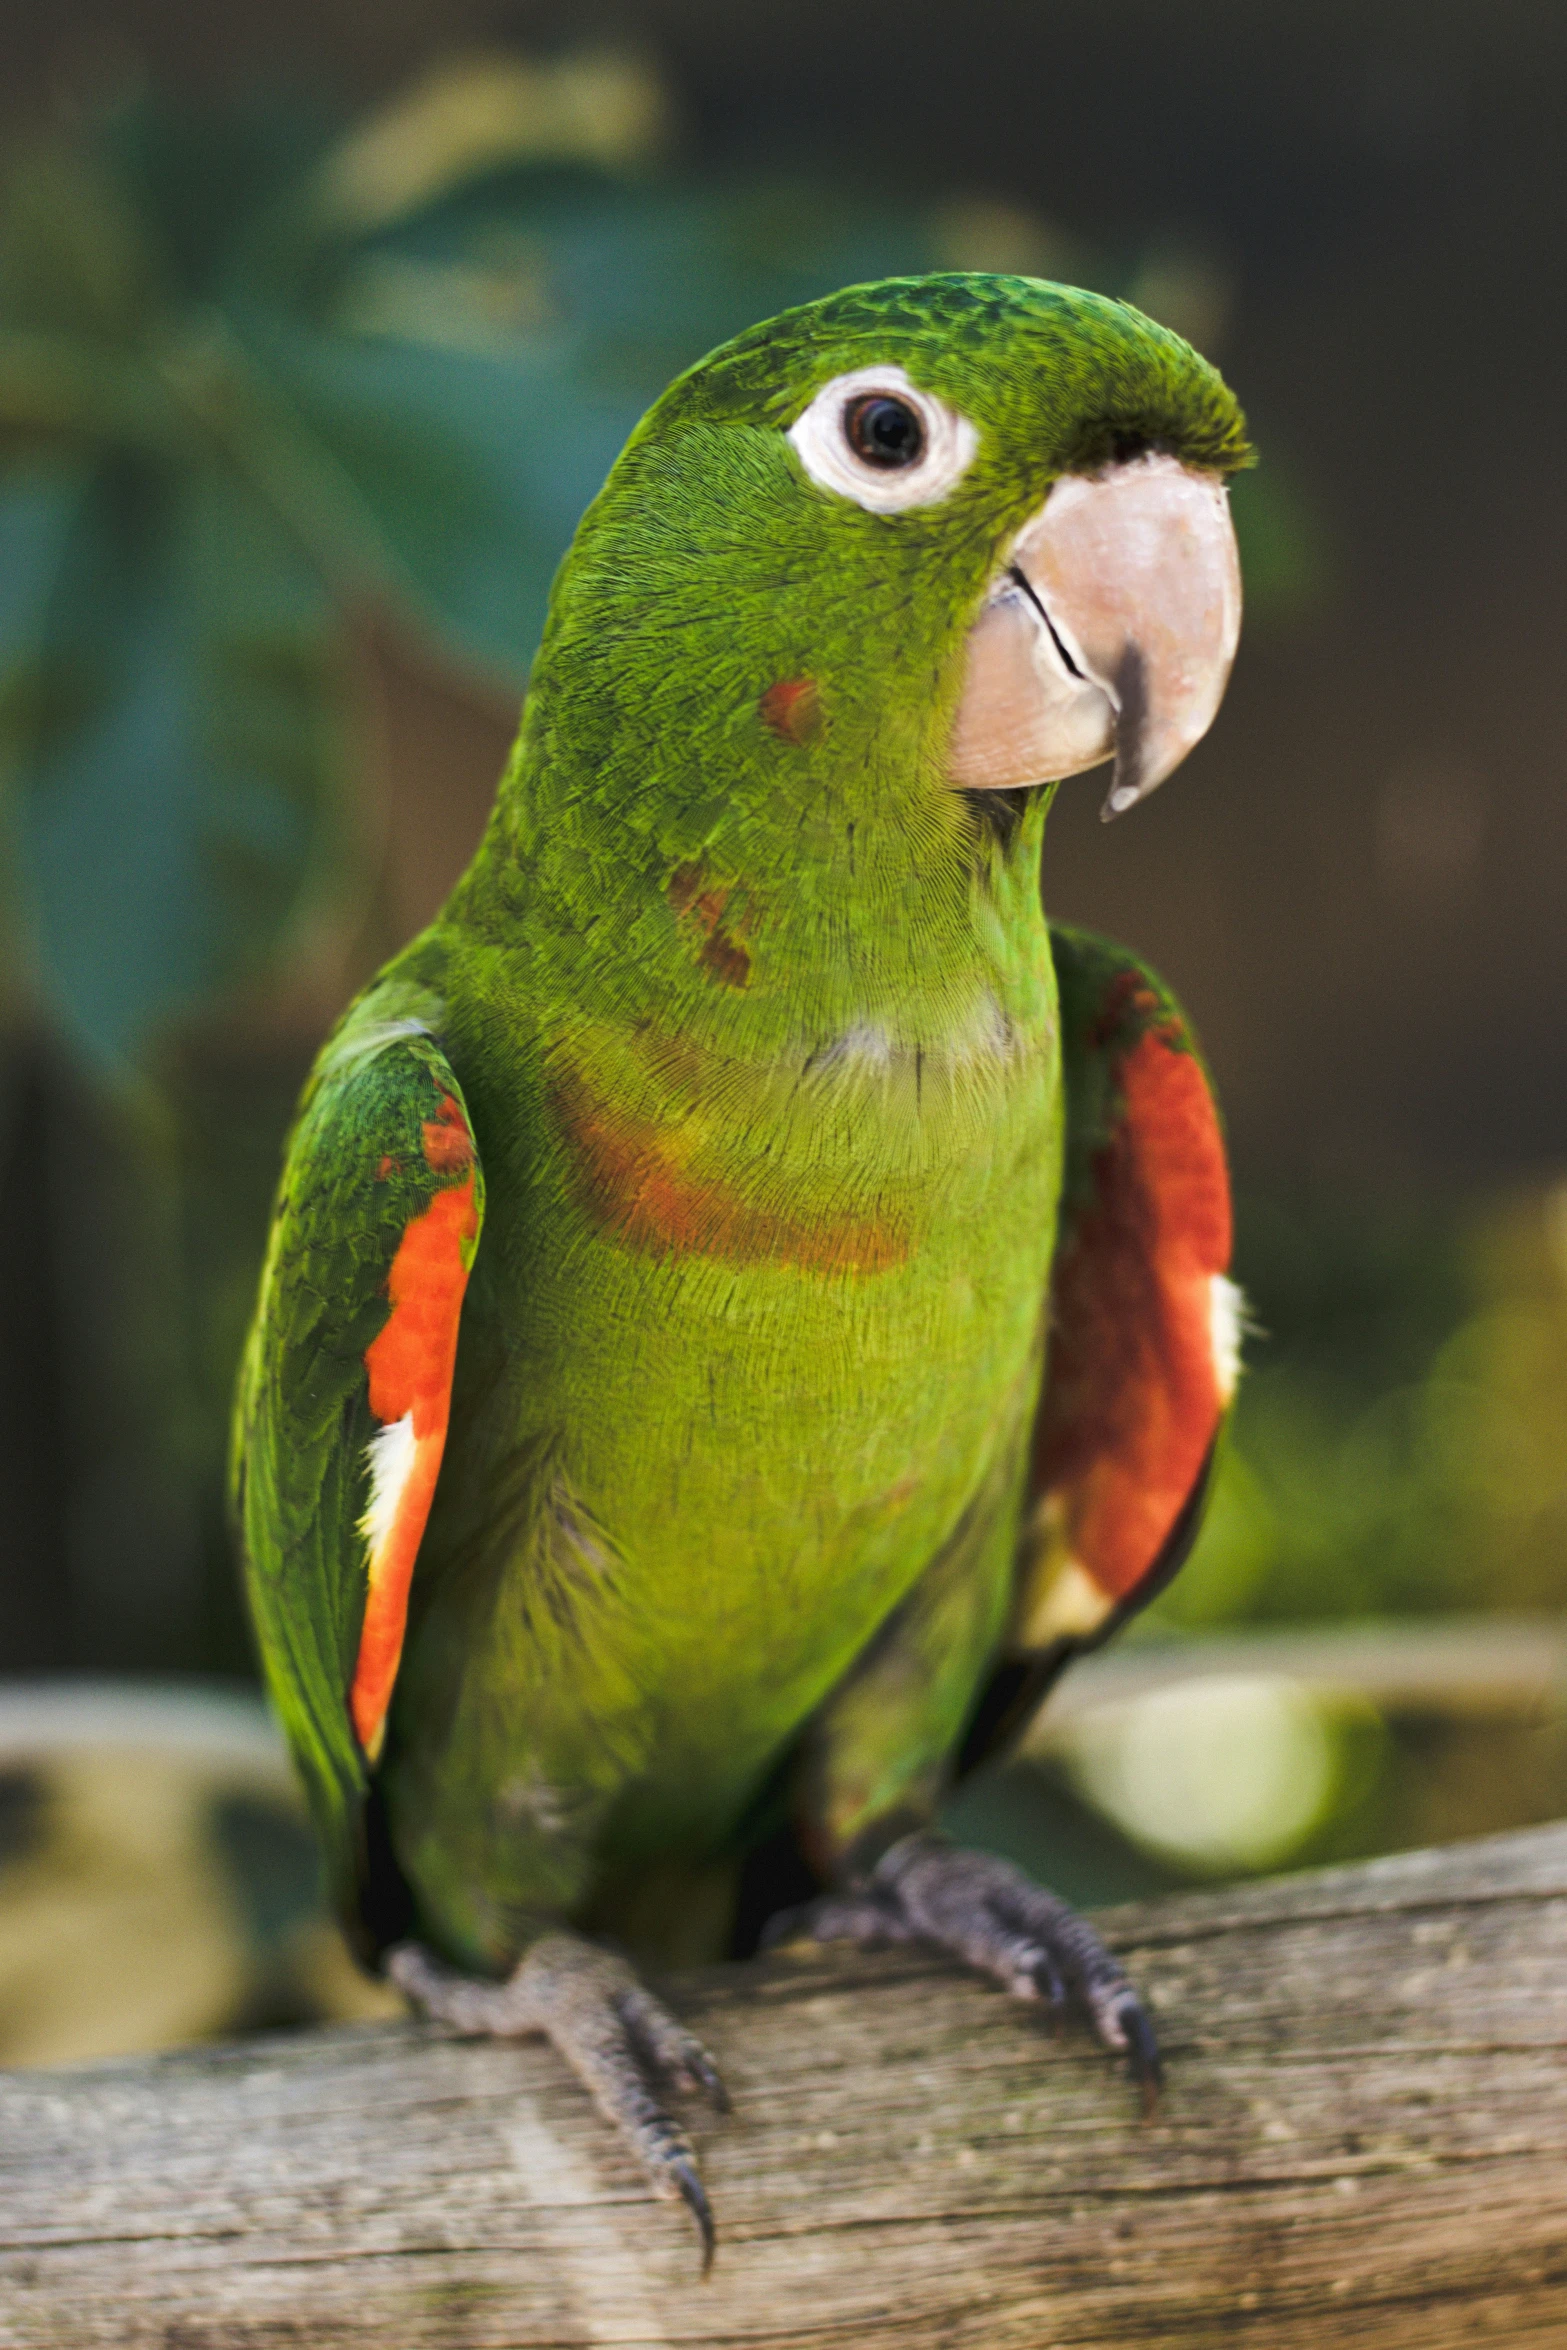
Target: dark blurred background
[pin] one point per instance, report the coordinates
(319, 326)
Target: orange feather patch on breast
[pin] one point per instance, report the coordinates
(1138, 1380)
(410, 1367)
(701, 907)
(792, 709)
(630, 1178)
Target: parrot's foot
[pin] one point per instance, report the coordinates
(618, 2039)
(991, 1916)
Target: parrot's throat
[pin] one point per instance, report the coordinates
(792, 1066)
(999, 816)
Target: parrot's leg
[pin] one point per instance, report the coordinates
(876, 1764)
(987, 1913)
(618, 2039)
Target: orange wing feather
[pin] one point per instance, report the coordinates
(410, 1365)
(1139, 1371)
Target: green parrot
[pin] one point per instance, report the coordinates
(747, 1297)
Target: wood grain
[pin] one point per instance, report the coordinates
(1364, 2142)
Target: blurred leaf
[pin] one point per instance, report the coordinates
(38, 509)
(470, 116)
(176, 764)
(1220, 1582)
(278, 842)
(75, 258)
(989, 232)
(199, 176)
(170, 623)
(1397, 1442)
(1185, 284)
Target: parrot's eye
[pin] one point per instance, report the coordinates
(877, 438)
(884, 431)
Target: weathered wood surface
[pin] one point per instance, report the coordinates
(1364, 2141)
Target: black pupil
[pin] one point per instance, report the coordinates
(885, 432)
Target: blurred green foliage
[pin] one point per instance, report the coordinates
(1397, 1443)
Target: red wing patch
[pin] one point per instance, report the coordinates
(1140, 1362)
(410, 1368)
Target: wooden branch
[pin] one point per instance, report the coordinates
(1364, 2141)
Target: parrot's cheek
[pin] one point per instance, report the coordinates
(1111, 630)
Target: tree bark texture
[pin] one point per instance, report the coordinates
(1363, 2141)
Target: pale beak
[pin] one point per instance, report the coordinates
(1111, 630)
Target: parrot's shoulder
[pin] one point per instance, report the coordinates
(1136, 1082)
(382, 1125)
(397, 1025)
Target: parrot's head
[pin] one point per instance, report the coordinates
(969, 529)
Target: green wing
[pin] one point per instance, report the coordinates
(344, 1392)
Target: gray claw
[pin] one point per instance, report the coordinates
(982, 1910)
(1142, 2054)
(689, 2181)
(1049, 1986)
(614, 2034)
(705, 2076)
(667, 2048)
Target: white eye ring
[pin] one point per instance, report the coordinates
(821, 440)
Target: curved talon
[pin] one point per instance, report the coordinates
(705, 2077)
(1049, 1987)
(688, 2181)
(1143, 2060)
(668, 2048)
